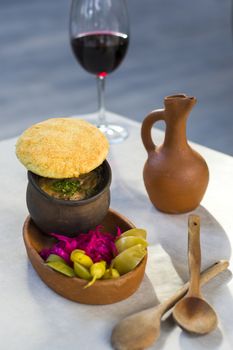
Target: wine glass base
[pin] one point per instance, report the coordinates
(114, 133)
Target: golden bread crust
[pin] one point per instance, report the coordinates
(62, 148)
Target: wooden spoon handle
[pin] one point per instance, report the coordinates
(213, 271)
(206, 276)
(194, 255)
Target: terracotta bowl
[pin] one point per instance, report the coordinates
(68, 217)
(100, 293)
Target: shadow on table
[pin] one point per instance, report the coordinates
(171, 232)
(215, 244)
(145, 297)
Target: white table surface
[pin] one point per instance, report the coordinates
(33, 317)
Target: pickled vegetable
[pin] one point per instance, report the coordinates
(127, 260)
(61, 267)
(97, 244)
(97, 271)
(80, 257)
(137, 232)
(111, 273)
(91, 252)
(124, 243)
(81, 271)
(77, 251)
(55, 257)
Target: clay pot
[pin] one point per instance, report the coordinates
(175, 176)
(102, 291)
(68, 217)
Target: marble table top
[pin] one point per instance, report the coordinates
(33, 317)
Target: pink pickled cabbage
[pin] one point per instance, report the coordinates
(97, 244)
(55, 250)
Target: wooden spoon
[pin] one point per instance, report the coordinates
(193, 313)
(142, 329)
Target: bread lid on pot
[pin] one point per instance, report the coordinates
(62, 148)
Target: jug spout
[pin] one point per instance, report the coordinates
(180, 104)
(177, 110)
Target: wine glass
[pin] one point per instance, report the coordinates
(99, 35)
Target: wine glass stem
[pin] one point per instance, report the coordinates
(101, 101)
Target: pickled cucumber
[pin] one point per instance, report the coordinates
(81, 271)
(127, 260)
(55, 257)
(137, 232)
(61, 267)
(124, 243)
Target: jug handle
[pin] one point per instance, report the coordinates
(147, 124)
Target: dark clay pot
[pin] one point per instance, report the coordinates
(68, 217)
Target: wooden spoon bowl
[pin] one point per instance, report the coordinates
(196, 314)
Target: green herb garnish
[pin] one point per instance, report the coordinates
(66, 187)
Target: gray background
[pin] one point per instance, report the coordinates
(176, 46)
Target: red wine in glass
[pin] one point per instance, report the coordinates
(100, 52)
(99, 37)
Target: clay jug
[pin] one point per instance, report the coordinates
(175, 176)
